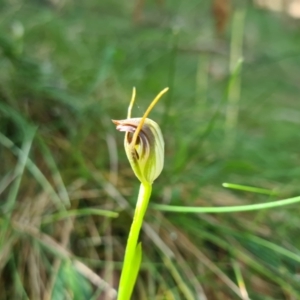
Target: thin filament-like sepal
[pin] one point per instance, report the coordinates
(131, 103)
(134, 138)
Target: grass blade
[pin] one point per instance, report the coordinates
(225, 209)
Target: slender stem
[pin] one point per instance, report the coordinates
(251, 189)
(225, 209)
(127, 275)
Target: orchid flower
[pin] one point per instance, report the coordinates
(144, 147)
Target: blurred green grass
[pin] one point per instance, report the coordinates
(66, 70)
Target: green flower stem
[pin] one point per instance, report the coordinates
(133, 250)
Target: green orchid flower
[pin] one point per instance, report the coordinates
(144, 143)
(144, 147)
(146, 155)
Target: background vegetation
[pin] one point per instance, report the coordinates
(67, 68)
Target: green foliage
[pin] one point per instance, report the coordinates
(66, 69)
(70, 284)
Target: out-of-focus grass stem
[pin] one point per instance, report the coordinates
(19, 170)
(171, 76)
(234, 85)
(202, 80)
(240, 279)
